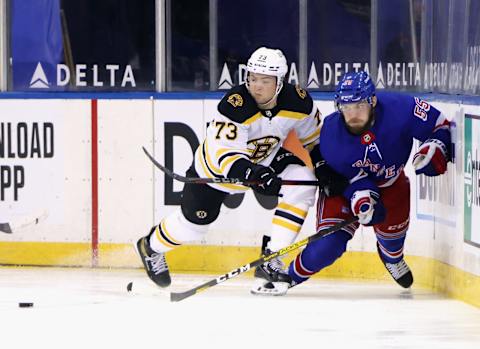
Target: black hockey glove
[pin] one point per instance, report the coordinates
(283, 158)
(271, 183)
(330, 182)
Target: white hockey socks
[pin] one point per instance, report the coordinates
(286, 224)
(175, 230)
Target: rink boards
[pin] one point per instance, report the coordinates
(80, 160)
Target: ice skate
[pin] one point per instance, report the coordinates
(400, 271)
(270, 277)
(154, 263)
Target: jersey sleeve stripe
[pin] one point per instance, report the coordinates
(206, 168)
(310, 146)
(313, 136)
(229, 161)
(211, 166)
(223, 151)
(229, 154)
(209, 174)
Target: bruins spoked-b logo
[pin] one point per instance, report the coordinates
(236, 100)
(201, 214)
(261, 148)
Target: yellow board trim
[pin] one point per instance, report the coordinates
(428, 273)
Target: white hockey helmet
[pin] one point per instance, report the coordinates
(269, 61)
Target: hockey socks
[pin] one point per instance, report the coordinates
(318, 255)
(175, 230)
(391, 249)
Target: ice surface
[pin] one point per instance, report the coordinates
(87, 308)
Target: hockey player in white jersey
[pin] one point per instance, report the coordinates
(244, 141)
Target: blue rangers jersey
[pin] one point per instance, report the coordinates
(377, 157)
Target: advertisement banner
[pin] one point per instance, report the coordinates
(31, 161)
(472, 180)
(36, 42)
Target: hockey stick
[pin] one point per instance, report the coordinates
(178, 296)
(23, 222)
(196, 180)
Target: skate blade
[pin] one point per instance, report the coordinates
(263, 287)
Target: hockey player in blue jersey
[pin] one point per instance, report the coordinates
(367, 142)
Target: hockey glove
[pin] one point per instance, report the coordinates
(283, 158)
(270, 182)
(331, 182)
(368, 207)
(431, 158)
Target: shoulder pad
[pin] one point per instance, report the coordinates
(238, 105)
(295, 98)
(330, 119)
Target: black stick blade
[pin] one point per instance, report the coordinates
(178, 296)
(5, 228)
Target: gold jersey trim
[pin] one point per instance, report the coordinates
(291, 115)
(210, 174)
(252, 119)
(311, 137)
(223, 151)
(229, 160)
(211, 166)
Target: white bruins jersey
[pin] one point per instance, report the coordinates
(242, 130)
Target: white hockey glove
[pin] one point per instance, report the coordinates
(431, 158)
(367, 206)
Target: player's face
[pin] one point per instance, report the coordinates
(357, 115)
(262, 87)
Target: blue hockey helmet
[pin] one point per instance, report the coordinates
(354, 87)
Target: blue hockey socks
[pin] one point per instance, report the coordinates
(318, 255)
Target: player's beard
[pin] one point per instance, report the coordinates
(358, 130)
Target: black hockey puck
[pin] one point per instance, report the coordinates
(129, 286)
(25, 305)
